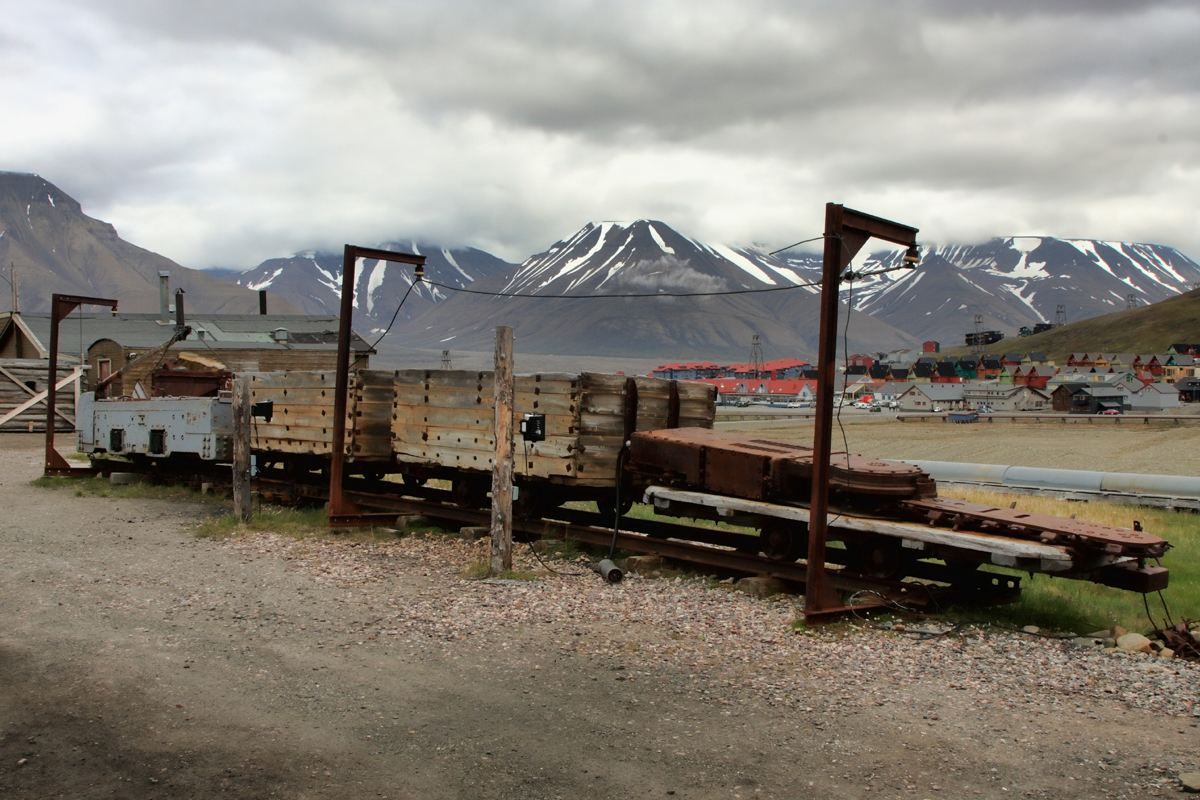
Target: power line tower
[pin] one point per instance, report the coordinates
(756, 356)
(1130, 301)
(446, 360)
(977, 342)
(1060, 315)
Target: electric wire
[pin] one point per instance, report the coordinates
(723, 293)
(528, 510)
(804, 241)
(392, 322)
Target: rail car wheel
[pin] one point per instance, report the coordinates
(606, 504)
(468, 492)
(964, 574)
(529, 504)
(783, 540)
(413, 480)
(879, 557)
(374, 475)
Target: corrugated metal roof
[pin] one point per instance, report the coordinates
(223, 331)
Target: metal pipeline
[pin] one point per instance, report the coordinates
(1066, 480)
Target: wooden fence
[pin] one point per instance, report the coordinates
(23, 395)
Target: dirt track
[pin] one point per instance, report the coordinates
(140, 661)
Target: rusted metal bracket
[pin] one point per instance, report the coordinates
(60, 306)
(846, 231)
(342, 510)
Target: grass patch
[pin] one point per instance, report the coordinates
(97, 486)
(297, 523)
(482, 570)
(1082, 607)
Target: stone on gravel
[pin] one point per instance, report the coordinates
(473, 533)
(1190, 781)
(1087, 641)
(1031, 629)
(1166, 652)
(1134, 643)
(643, 565)
(761, 586)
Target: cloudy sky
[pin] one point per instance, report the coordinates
(224, 133)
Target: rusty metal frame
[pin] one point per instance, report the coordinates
(343, 511)
(846, 231)
(60, 306)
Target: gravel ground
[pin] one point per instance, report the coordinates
(142, 661)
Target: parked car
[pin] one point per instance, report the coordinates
(877, 408)
(1111, 412)
(937, 409)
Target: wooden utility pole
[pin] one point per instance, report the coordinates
(16, 295)
(502, 472)
(241, 450)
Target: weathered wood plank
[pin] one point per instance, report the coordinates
(542, 466)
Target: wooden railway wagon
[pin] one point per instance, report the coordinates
(301, 426)
(441, 424)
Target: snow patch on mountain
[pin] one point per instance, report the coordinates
(740, 260)
(659, 240)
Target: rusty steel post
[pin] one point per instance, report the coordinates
(60, 306)
(338, 504)
(817, 595)
(342, 510)
(846, 231)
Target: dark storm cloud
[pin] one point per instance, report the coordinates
(227, 132)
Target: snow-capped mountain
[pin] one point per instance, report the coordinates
(312, 280)
(620, 279)
(647, 256)
(1014, 282)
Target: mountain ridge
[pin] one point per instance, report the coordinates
(56, 248)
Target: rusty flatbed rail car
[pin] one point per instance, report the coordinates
(756, 469)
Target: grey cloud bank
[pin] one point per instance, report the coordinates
(224, 134)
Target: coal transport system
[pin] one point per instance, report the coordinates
(649, 438)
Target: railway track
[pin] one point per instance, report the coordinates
(928, 585)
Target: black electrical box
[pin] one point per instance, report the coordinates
(264, 410)
(533, 428)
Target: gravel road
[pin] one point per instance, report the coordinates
(142, 661)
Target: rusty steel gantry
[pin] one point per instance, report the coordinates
(846, 231)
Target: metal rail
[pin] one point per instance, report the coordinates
(691, 544)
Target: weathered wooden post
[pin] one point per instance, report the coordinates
(241, 449)
(502, 472)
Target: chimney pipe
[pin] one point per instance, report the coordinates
(179, 320)
(164, 296)
(262, 301)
